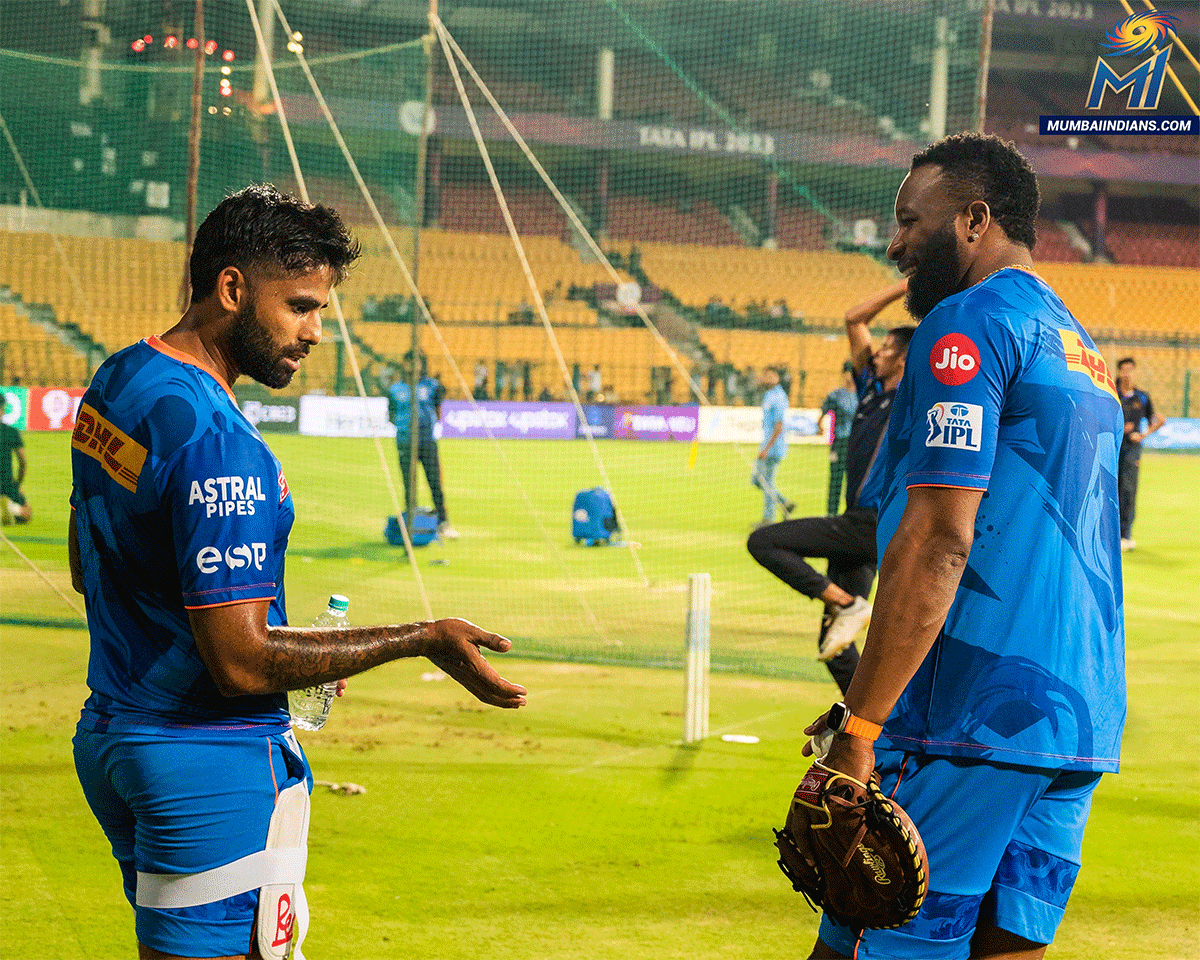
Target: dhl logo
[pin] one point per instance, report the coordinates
(119, 454)
(1083, 360)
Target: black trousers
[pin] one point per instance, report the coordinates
(847, 541)
(427, 453)
(837, 470)
(1129, 462)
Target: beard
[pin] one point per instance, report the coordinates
(937, 276)
(256, 354)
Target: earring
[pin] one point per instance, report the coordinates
(972, 237)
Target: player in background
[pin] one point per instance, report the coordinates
(430, 394)
(1138, 408)
(994, 662)
(847, 541)
(180, 523)
(774, 447)
(840, 404)
(16, 508)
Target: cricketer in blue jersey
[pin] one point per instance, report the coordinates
(180, 524)
(430, 393)
(990, 694)
(774, 447)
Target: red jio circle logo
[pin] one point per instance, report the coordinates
(954, 359)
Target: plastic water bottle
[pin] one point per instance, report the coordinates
(310, 706)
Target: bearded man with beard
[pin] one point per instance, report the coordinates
(179, 527)
(990, 695)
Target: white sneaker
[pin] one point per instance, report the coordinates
(447, 532)
(1127, 543)
(845, 624)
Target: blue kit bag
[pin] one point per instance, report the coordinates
(593, 517)
(421, 531)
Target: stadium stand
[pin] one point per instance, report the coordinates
(474, 208)
(1151, 244)
(119, 290)
(646, 90)
(817, 285)
(1109, 299)
(31, 356)
(797, 228)
(685, 220)
(1054, 244)
(625, 355)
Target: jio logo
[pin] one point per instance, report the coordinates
(954, 360)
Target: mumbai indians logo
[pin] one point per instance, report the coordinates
(1140, 32)
(1137, 33)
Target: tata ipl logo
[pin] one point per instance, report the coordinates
(1136, 34)
(955, 425)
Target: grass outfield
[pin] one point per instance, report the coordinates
(577, 827)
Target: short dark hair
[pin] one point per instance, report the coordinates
(984, 167)
(903, 336)
(1125, 360)
(260, 227)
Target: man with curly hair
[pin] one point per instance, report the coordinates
(179, 529)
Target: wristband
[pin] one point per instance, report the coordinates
(841, 720)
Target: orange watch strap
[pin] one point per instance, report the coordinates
(863, 729)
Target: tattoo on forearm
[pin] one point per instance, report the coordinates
(299, 657)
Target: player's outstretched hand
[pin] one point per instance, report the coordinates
(454, 649)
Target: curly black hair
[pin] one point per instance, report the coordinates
(264, 228)
(984, 167)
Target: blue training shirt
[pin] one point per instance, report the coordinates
(1005, 392)
(179, 505)
(401, 408)
(775, 407)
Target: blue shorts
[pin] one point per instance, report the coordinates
(1003, 845)
(175, 805)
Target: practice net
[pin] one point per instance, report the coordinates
(723, 178)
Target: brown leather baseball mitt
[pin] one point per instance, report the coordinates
(852, 851)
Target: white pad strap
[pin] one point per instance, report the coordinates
(282, 908)
(170, 891)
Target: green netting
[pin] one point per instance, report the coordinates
(736, 162)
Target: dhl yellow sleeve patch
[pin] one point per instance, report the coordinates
(119, 454)
(1083, 360)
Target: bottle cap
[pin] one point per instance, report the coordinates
(338, 603)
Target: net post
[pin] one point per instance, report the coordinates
(695, 713)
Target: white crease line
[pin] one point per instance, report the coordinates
(675, 743)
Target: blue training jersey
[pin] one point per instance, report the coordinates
(868, 430)
(401, 407)
(1005, 392)
(775, 408)
(179, 505)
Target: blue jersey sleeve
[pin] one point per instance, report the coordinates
(962, 362)
(221, 492)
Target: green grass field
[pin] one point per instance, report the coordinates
(578, 827)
